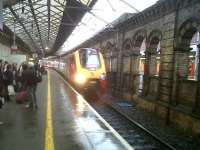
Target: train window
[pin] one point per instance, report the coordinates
(89, 59)
(92, 61)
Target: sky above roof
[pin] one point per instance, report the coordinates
(103, 13)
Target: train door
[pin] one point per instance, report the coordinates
(72, 67)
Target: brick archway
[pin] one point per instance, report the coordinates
(153, 39)
(138, 61)
(127, 45)
(186, 32)
(138, 38)
(187, 65)
(109, 46)
(152, 64)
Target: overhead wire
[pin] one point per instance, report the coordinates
(113, 9)
(128, 4)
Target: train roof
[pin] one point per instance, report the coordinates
(72, 51)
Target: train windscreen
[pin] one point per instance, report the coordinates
(90, 59)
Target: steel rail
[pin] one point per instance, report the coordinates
(142, 127)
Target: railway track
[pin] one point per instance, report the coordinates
(134, 133)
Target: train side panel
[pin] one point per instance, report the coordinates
(70, 67)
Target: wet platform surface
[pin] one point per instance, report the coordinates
(75, 126)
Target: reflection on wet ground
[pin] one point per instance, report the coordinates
(75, 126)
(88, 129)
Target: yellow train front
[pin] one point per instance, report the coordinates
(85, 68)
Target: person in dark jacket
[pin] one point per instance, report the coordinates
(1, 76)
(1, 79)
(29, 80)
(1, 86)
(14, 71)
(8, 80)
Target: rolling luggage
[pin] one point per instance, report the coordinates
(21, 97)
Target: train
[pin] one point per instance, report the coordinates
(84, 68)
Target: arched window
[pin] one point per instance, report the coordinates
(193, 58)
(126, 56)
(187, 64)
(139, 60)
(142, 59)
(188, 59)
(108, 60)
(152, 66)
(154, 58)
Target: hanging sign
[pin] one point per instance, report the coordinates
(14, 49)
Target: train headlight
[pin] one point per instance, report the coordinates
(103, 76)
(80, 78)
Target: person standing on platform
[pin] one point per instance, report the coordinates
(8, 80)
(38, 78)
(5, 66)
(1, 86)
(29, 80)
(1, 77)
(14, 71)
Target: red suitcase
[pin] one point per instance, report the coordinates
(21, 97)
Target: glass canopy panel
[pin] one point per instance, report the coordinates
(36, 22)
(101, 18)
(85, 2)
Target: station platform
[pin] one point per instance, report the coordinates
(63, 121)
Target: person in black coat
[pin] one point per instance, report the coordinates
(29, 81)
(1, 86)
(8, 80)
(1, 77)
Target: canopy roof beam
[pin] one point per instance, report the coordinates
(36, 22)
(49, 14)
(20, 22)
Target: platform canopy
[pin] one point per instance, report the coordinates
(44, 25)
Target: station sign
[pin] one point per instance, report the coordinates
(14, 49)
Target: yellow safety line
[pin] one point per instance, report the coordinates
(49, 141)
